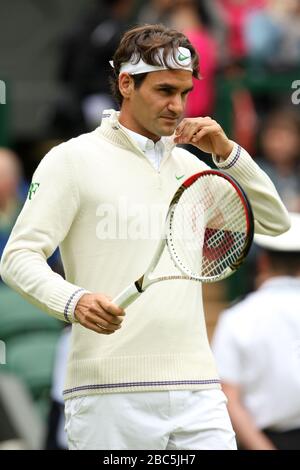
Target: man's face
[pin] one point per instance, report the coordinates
(156, 107)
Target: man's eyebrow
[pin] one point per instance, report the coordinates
(173, 87)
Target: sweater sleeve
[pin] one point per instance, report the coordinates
(47, 215)
(270, 215)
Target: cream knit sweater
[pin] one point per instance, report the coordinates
(99, 198)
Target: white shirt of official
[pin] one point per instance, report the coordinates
(257, 346)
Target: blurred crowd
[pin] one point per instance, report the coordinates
(249, 57)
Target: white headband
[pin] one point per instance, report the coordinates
(183, 62)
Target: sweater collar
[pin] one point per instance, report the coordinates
(111, 129)
(143, 142)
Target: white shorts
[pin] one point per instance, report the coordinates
(150, 421)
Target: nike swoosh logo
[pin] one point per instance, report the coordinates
(179, 177)
(182, 57)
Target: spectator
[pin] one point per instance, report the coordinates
(156, 11)
(256, 345)
(10, 198)
(280, 147)
(272, 35)
(234, 14)
(184, 17)
(85, 66)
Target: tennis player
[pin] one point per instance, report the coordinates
(145, 379)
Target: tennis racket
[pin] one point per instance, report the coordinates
(208, 232)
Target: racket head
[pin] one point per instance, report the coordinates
(209, 226)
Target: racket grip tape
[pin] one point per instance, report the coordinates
(127, 296)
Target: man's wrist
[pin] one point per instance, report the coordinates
(79, 294)
(221, 157)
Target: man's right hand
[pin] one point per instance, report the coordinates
(98, 313)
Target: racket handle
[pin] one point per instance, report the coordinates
(127, 296)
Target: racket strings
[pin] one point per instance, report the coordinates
(208, 228)
(225, 231)
(224, 244)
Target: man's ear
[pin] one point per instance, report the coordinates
(126, 85)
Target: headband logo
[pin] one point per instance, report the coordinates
(183, 61)
(182, 57)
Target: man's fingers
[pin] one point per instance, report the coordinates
(111, 308)
(214, 129)
(197, 137)
(98, 313)
(195, 132)
(94, 322)
(97, 328)
(101, 313)
(187, 122)
(188, 132)
(192, 127)
(101, 320)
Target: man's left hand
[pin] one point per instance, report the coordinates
(205, 134)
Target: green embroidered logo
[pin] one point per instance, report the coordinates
(32, 190)
(179, 177)
(182, 57)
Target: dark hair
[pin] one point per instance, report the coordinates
(284, 262)
(144, 41)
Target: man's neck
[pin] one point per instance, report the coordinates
(132, 126)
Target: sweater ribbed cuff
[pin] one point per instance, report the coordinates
(241, 166)
(231, 160)
(69, 311)
(64, 300)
